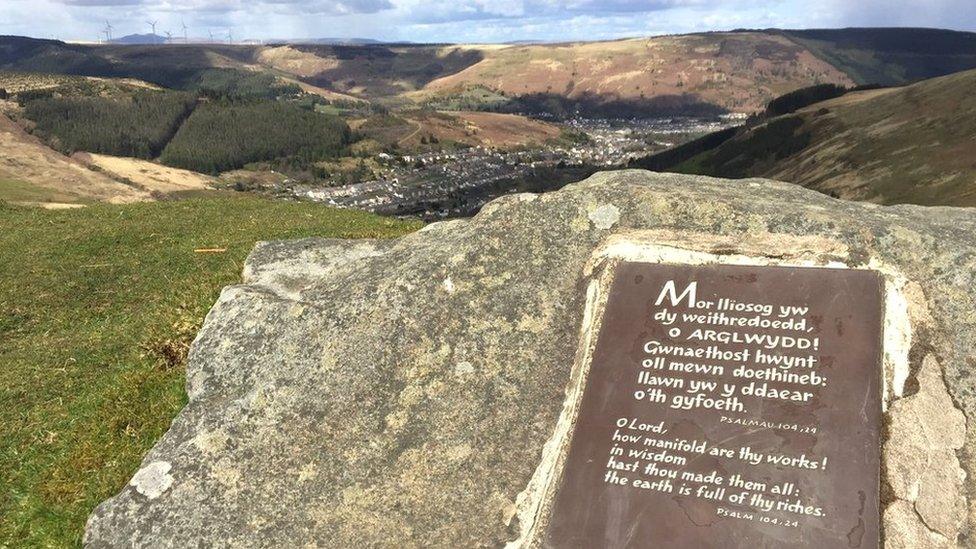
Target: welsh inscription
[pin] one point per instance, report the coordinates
(728, 406)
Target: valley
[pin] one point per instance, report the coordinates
(415, 129)
(436, 185)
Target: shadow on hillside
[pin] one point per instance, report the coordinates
(387, 70)
(590, 105)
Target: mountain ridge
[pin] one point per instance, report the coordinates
(734, 71)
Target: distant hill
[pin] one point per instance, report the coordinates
(734, 71)
(50, 56)
(912, 144)
(737, 71)
(890, 55)
(694, 73)
(342, 41)
(140, 39)
(217, 68)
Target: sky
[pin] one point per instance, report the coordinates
(462, 20)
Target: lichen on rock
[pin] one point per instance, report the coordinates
(153, 479)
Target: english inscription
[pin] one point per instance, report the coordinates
(728, 406)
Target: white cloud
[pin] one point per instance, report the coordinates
(959, 14)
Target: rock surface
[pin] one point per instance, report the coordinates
(400, 393)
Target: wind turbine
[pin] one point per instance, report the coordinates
(185, 39)
(153, 25)
(211, 37)
(169, 37)
(230, 36)
(108, 31)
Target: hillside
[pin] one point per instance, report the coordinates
(737, 71)
(912, 144)
(369, 71)
(194, 67)
(890, 56)
(33, 173)
(411, 130)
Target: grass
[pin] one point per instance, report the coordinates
(15, 190)
(97, 309)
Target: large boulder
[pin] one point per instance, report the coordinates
(402, 393)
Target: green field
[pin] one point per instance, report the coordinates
(97, 308)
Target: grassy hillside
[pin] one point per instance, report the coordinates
(97, 307)
(912, 144)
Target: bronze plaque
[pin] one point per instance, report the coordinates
(728, 406)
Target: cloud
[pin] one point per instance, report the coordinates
(482, 10)
(98, 3)
(958, 14)
(327, 7)
(255, 9)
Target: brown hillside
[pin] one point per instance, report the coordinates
(486, 129)
(31, 172)
(738, 71)
(914, 144)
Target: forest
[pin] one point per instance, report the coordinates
(138, 126)
(226, 135)
(225, 123)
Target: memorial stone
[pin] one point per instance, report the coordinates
(462, 386)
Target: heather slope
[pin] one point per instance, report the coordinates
(912, 144)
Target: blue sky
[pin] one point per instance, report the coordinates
(464, 20)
